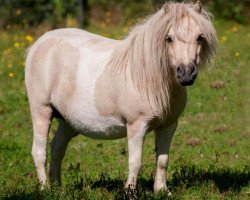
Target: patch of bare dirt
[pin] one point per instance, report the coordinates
(246, 134)
(234, 143)
(194, 142)
(29, 174)
(218, 85)
(221, 129)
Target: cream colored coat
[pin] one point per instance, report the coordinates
(71, 72)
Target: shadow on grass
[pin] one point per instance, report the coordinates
(116, 184)
(225, 179)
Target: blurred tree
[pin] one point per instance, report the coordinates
(234, 9)
(25, 11)
(161, 2)
(58, 12)
(33, 12)
(83, 10)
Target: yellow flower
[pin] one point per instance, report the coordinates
(223, 39)
(11, 74)
(16, 44)
(29, 38)
(237, 54)
(125, 29)
(18, 12)
(235, 29)
(9, 65)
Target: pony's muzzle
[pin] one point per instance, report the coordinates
(186, 74)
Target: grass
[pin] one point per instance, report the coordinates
(209, 153)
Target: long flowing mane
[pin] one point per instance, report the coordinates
(145, 53)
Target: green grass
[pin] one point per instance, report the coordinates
(209, 156)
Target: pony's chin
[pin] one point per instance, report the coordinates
(187, 83)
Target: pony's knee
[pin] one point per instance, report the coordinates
(38, 154)
(135, 166)
(39, 159)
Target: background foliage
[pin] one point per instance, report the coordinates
(31, 12)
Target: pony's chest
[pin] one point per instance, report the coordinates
(177, 105)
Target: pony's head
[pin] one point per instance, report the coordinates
(168, 47)
(190, 40)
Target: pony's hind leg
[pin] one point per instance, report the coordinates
(162, 143)
(41, 119)
(59, 144)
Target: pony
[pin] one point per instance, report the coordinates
(110, 89)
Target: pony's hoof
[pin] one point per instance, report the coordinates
(130, 191)
(163, 190)
(169, 193)
(43, 185)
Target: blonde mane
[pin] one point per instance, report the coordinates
(145, 53)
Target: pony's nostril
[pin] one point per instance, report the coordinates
(180, 70)
(192, 70)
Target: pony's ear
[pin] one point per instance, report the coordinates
(166, 7)
(198, 6)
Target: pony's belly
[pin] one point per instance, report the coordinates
(99, 127)
(111, 133)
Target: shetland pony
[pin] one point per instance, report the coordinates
(110, 89)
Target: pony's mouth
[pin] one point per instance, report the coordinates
(186, 75)
(187, 80)
(187, 83)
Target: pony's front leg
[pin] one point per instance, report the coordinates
(135, 133)
(162, 143)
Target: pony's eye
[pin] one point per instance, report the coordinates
(200, 38)
(169, 39)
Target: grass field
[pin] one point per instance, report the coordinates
(209, 156)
